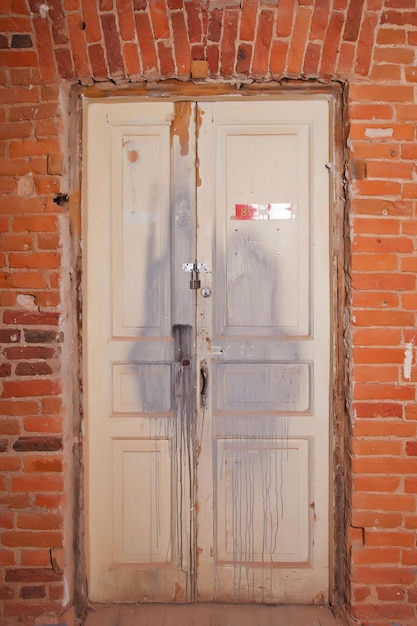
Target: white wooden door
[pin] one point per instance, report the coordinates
(207, 409)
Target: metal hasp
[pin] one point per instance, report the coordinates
(195, 269)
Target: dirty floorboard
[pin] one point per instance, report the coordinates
(211, 615)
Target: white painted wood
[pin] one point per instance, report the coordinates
(213, 405)
(262, 527)
(138, 448)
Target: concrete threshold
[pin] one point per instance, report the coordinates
(211, 615)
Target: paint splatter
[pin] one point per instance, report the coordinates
(408, 358)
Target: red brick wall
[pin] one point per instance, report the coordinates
(370, 46)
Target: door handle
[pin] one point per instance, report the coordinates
(203, 383)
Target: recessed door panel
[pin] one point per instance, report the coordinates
(206, 349)
(268, 476)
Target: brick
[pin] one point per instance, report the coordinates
(390, 593)
(319, 20)
(312, 59)
(399, 18)
(125, 19)
(33, 369)
(33, 592)
(43, 424)
(92, 23)
(379, 447)
(12, 131)
(9, 427)
(6, 592)
(378, 355)
(244, 58)
(387, 428)
(20, 167)
(6, 557)
(42, 336)
(9, 335)
(16, 407)
(378, 409)
(147, 46)
(98, 62)
(45, 539)
(397, 575)
(18, 58)
(64, 63)
(331, 44)
(27, 388)
(42, 464)
(35, 261)
(32, 444)
(31, 318)
(365, 43)
(21, 41)
(391, 37)
(381, 281)
(278, 60)
(380, 245)
(262, 43)
(228, 43)
(37, 483)
(29, 352)
(158, 12)
(361, 593)
(368, 391)
(193, 22)
(39, 223)
(48, 501)
(382, 484)
(353, 20)
(410, 485)
(35, 558)
(214, 26)
(394, 611)
(112, 45)
(374, 262)
(34, 521)
(248, 20)
(48, 241)
(381, 93)
(181, 45)
(378, 299)
(373, 556)
(384, 466)
(346, 59)
(24, 608)
(286, 13)
(166, 60)
(298, 40)
(78, 45)
(12, 242)
(198, 53)
(21, 205)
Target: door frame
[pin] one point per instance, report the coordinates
(340, 488)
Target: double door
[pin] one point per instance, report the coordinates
(206, 350)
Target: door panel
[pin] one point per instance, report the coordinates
(207, 412)
(264, 335)
(139, 426)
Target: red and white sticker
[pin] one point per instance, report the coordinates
(270, 211)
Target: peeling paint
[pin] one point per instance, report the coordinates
(379, 132)
(133, 156)
(408, 358)
(180, 125)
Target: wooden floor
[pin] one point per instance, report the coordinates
(211, 615)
